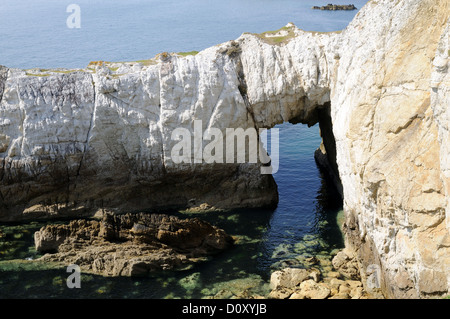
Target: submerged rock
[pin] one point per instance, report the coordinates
(131, 244)
(190, 282)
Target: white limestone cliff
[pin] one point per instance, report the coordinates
(74, 142)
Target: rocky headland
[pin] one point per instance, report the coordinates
(130, 244)
(76, 142)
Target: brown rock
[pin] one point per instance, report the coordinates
(346, 265)
(334, 291)
(288, 278)
(280, 293)
(356, 293)
(297, 295)
(336, 283)
(354, 283)
(312, 290)
(340, 259)
(333, 274)
(315, 274)
(344, 289)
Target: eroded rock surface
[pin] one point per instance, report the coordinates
(342, 283)
(131, 244)
(74, 142)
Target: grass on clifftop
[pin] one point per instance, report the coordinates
(283, 35)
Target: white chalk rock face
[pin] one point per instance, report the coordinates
(109, 137)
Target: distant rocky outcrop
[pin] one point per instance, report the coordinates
(334, 7)
(130, 244)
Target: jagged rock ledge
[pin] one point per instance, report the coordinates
(130, 244)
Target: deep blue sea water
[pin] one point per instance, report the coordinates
(35, 34)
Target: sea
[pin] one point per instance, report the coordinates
(304, 230)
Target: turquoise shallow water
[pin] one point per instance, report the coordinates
(304, 224)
